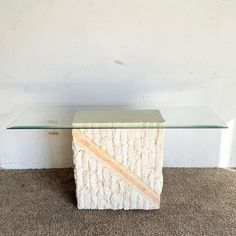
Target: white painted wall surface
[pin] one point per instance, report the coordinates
(105, 52)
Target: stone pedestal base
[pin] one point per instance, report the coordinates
(140, 151)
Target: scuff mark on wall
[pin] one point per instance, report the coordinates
(119, 62)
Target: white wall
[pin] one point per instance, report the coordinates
(105, 52)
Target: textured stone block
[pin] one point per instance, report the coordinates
(139, 150)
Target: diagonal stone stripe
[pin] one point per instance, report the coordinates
(116, 167)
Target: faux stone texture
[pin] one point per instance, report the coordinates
(139, 150)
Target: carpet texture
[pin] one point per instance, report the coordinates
(193, 202)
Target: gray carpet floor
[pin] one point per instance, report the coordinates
(42, 202)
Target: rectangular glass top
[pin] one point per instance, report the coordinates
(87, 117)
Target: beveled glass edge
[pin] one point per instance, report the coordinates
(138, 127)
(37, 127)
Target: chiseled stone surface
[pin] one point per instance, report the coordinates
(140, 150)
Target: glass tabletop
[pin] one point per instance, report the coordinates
(108, 117)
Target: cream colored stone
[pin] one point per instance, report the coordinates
(140, 150)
